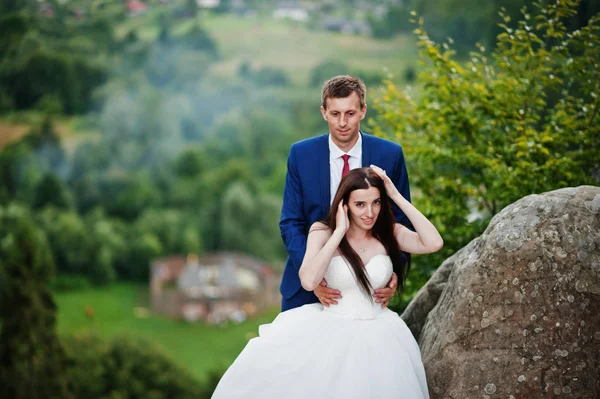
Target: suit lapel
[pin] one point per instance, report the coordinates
(366, 150)
(323, 157)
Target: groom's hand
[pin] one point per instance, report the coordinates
(327, 296)
(383, 295)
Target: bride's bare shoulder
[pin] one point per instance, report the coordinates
(320, 228)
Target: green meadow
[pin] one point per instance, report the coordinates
(295, 48)
(197, 347)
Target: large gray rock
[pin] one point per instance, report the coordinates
(417, 310)
(519, 313)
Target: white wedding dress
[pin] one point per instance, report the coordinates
(354, 349)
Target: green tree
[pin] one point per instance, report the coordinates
(14, 6)
(127, 368)
(85, 247)
(51, 191)
(105, 241)
(46, 143)
(177, 231)
(23, 163)
(216, 183)
(19, 173)
(33, 363)
(484, 133)
(237, 218)
(41, 66)
(395, 20)
(143, 248)
(139, 127)
(198, 39)
(131, 194)
(326, 70)
(68, 238)
(250, 222)
(190, 163)
(270, 76)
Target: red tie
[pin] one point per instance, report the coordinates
(346, 168)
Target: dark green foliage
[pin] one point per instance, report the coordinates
(51, 191)
(191, 8)
(395, 21)
(90, 158)
(198, 39)
(86, 247)
(13, 162)
(410, 74)
(177, 231)
(263, 76)
(465, 21)
(372, 79)
(223, 7)
(127, 368)
(583, 12)
(33, 361)
(176, 62)
(47, 145)
(209, 387)
(190, 163)
(69, 78)
(482, 134)
(14, 6)
(161, 68)
(448, 19)
(326, 70)
(330, 68)
(245, 70)
(13, 28)
(142, 249)
(270, 76)
(125, 197)
(249, 222)
(39, 70)
(69, 282)
(24, 163)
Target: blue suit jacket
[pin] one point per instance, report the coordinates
(306, 199)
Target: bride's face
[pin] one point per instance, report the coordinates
(364, 207)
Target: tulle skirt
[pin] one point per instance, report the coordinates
(312, 352)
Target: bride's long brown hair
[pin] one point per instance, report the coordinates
(383, 229)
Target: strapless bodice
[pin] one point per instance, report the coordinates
(354, 303)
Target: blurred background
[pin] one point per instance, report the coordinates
(143, 149)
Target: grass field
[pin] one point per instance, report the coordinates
(296, 49)
(263, 41)
(196, 347)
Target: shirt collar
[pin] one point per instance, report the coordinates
(335, 151)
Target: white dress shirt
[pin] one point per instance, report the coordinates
(336, 163)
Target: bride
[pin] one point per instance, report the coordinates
(355, 349)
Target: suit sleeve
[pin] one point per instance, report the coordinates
(293, 223)
(401, 181)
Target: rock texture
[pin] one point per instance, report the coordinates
(519, 313)
(417, 310)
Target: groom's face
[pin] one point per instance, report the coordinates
(343, 115)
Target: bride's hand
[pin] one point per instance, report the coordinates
(390, 188)
(341, 218)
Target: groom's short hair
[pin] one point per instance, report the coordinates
(341, 87)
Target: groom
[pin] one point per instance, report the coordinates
(315, 168)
